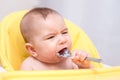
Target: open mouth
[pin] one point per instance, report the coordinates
(64, 53)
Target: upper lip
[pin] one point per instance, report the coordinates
(61, 49)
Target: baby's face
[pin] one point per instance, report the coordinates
(50, 39)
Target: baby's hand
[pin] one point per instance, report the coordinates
(79, 58)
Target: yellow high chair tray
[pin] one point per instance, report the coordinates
(13, 52)
(112, 73)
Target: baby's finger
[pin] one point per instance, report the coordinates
(82, 55)
(77, 62)
(83, 64)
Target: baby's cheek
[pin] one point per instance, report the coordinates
(70, 44)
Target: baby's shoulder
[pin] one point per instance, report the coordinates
(28, 59)
(28, 63)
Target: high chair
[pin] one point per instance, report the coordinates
(13, 52)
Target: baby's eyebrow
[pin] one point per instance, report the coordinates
(65, 28)
(49, 34)
(52, 33)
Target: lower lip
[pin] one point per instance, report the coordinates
(65, 54)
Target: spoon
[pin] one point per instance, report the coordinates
(68, 54)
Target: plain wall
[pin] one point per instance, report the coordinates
(100, 19)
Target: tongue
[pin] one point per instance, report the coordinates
(62, 51)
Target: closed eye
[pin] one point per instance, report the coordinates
(65, 32)
(50, 37)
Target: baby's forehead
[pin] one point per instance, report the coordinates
(38, 22)
(38, 19)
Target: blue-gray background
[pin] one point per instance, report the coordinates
(100, 19)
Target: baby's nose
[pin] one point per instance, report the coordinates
(62, 39)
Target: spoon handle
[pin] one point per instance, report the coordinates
(94, 59)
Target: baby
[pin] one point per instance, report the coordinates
(48, 41)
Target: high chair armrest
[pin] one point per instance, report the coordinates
(2, 69)
(106, 66)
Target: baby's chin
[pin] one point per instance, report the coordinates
(54, 60)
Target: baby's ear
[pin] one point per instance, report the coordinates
(30, 48)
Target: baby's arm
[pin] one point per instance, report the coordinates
(79, 58)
